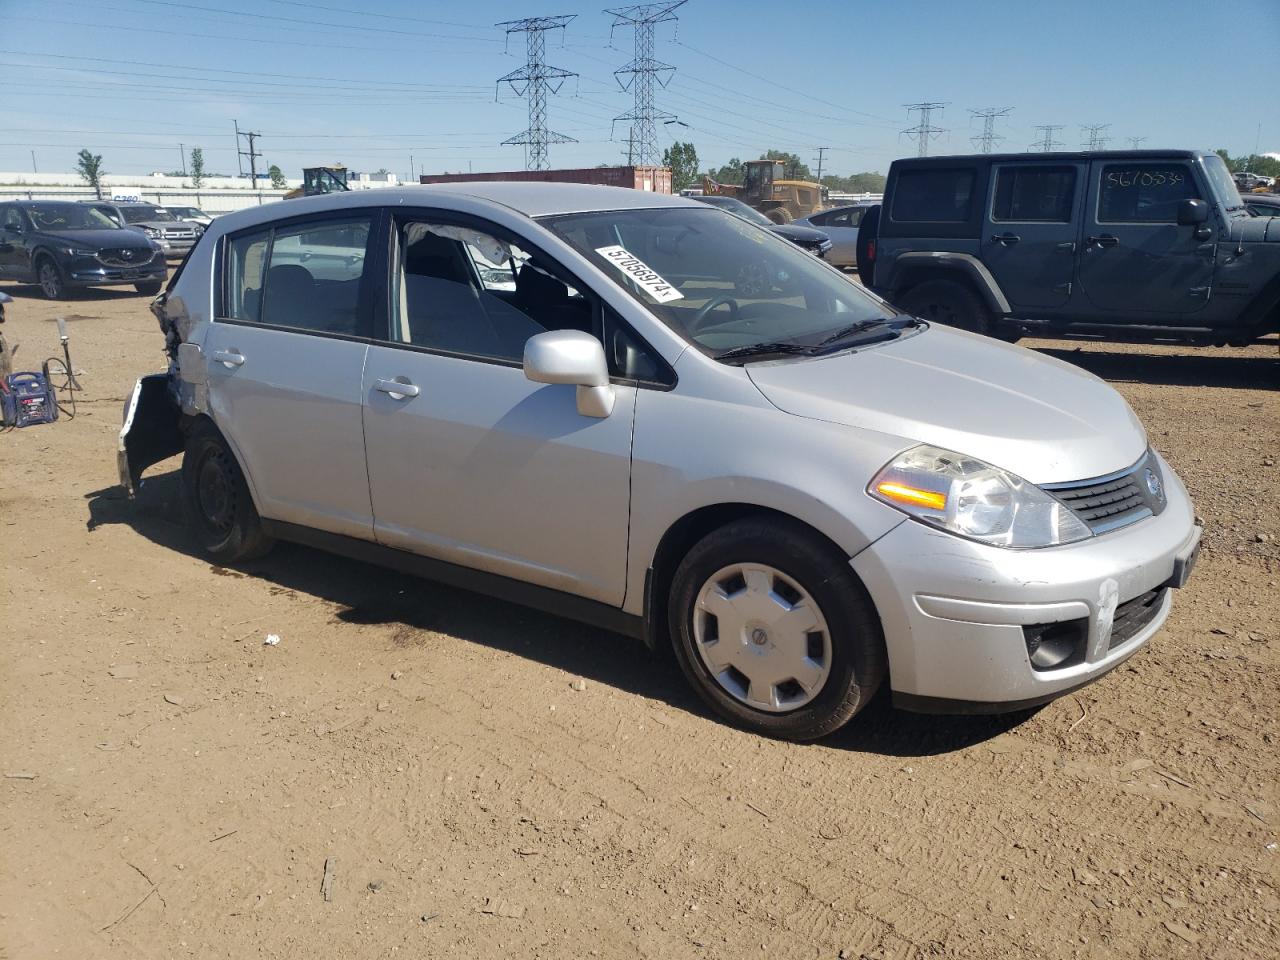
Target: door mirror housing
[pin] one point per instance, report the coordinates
(1192, 213)
(576, 358)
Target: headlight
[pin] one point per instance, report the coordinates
(973, 499)
(79, 252)
(152, 232)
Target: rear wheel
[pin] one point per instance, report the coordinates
(779, 215)
(219, 508)
(774, 631)
(950, 303)
(50, 279)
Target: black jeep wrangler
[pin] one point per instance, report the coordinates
(1133, 245)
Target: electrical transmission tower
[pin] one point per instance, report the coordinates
(534, 81)
(988, 138)
(642, 73)
(1091, 137)
(1046, 143)
(924, 131)
(1136, 142)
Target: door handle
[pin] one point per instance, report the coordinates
(229, 358)
(1067, 246)
(1105, 240)
(1007, 239)
(396, 389)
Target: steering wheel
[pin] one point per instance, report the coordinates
(705, 310)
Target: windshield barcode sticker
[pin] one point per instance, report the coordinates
(644, 276)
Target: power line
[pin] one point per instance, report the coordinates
(1091, 137)
(1047, 143)
(533, 81)
(642, 72)
(924, 131)
(988, 138)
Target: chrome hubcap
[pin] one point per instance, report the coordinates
(762, 637)
(49, 280)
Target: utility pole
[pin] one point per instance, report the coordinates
(924, 131)
(182, 151)
(34, 168)
(534, 80)
(1091, 136)
(1047, 143)
(821, 151)
(988, 138)
(641, 74)
(412, 178)
(1136, 142)
(252, 153)
(239, 159)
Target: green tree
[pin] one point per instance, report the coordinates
(856, 183)
(730, 173)
(277, 177)
(89, 166)
(682, 158)
(197, 167)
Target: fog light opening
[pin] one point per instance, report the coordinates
(1052, 646)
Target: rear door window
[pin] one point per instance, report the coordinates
(933, 195)
(1034, 194)
(1144, 192)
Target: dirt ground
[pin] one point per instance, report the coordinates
(173, 787)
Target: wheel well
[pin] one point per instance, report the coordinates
(916, 276)
(679, 540)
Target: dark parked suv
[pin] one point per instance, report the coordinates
(1124, 245)
(64, 245)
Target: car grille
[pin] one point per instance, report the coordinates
(179, 233)
(1107, 503)
(1132, 615)
(125, 257)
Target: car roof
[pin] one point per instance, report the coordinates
(943, 160)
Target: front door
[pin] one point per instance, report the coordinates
(15, 258)
(469, 461)
(1029, 240)
(1135, 259)
(284, 362)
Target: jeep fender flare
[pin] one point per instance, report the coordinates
(910, 269)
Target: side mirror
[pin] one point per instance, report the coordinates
(1192, 213)
(576, 358)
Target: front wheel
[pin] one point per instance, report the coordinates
(219, 507)
(148, 289)
(774, 631)
(50, 279)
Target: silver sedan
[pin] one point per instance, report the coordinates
(841, 225)
(564, 395)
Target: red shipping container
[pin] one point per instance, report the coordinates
(654, 179)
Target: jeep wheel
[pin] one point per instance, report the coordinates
(774, 631)
(944, 301)
(50, 279)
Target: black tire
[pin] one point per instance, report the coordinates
(858, 659)
(868, 229)
(219, 508)
(779, 215)
(150, 288)
(49, 276)
(950, 303)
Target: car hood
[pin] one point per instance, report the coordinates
(1250, 229)
(1041, 418)
(101, 238)
(798, 234)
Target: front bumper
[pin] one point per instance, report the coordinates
(954, 611)
(98, 275)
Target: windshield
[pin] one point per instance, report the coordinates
(723, 284)
(1223, 186)
(70, 216)
(738, 208)
(145, 214)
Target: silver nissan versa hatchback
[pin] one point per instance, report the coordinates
(643, 412)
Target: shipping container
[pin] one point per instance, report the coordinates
(654, 179)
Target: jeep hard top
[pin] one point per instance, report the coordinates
(1127, 245)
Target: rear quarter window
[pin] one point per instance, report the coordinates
(933, 196)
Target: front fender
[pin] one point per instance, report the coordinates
(934, 262)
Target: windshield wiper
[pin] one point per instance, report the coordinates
(844, 333)
(776, 348)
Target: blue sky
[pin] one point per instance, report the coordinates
(391, 78)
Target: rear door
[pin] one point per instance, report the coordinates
(15, 240)
(1029, 242)
(1135, 260)
(842, 227)
(284, 360)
